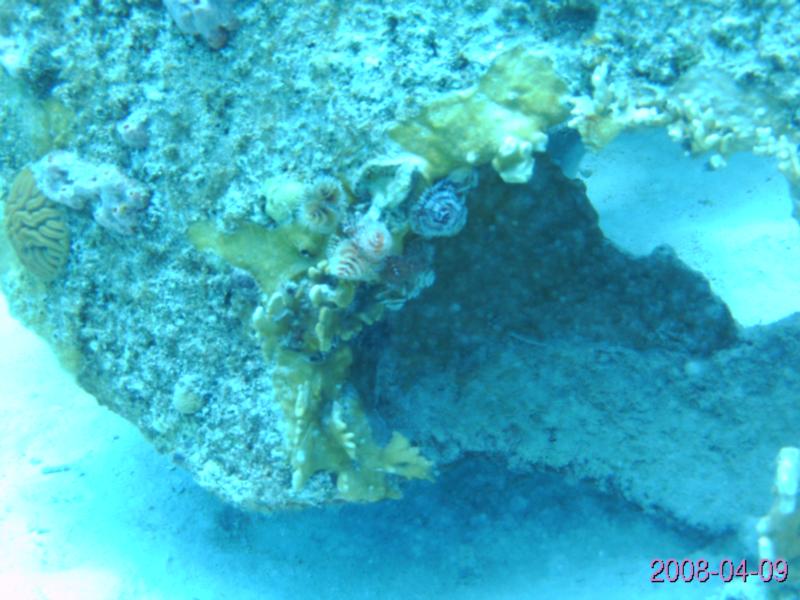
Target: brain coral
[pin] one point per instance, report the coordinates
(36, 228)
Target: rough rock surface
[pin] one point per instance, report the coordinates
(540, 341)
(570, 355)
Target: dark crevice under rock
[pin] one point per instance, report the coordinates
(543, 342)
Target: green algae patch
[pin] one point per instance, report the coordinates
(38, 126)
(54, 125)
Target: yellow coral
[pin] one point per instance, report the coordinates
(779, 531)
(502, 120)
(304, 326)
(271, 255)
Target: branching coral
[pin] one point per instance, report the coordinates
(779, 531)
(322, 288)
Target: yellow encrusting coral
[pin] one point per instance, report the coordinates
(333, 259)
(502, 121)
(37, 228)
(310, 314)
(270, 255)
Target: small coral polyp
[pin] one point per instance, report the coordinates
(373, 239)
(439, 212)
(347, 261)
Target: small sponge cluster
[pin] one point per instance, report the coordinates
(212, 20)
(118, 200)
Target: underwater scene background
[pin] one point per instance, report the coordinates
(399, 300)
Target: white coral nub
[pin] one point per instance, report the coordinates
(514, 159)
(13, 57)
(787, 479)
(766, 549)
(133, 130)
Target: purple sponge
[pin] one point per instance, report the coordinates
(212, 20)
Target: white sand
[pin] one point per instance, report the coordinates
(734, 225)
(88, 511)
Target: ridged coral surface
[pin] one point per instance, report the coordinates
(37, 228)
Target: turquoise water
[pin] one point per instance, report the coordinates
(416, 300)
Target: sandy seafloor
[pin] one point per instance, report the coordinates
(88, 510)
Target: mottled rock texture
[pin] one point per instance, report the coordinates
(540, 342)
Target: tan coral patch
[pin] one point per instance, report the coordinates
(37, 228)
